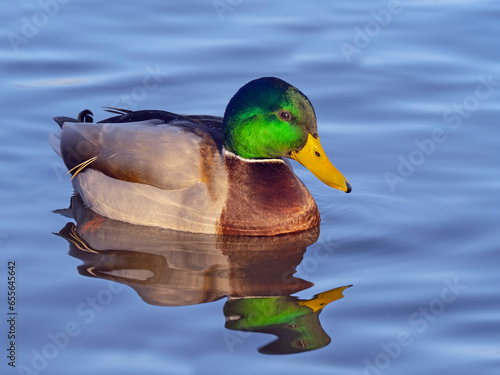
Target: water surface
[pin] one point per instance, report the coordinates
(407, 99)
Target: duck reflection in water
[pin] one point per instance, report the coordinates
(170, 268)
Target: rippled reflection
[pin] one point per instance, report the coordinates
(169, 268)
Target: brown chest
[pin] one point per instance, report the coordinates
(265, 198)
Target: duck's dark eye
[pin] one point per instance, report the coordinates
(285, 115)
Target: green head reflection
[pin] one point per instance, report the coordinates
(295, 322)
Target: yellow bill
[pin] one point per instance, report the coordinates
(321, 300)
(313, 157)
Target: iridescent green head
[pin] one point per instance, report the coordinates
(269, 118)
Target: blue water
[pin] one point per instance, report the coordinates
(407, 96)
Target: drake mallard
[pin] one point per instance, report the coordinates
(203, 174)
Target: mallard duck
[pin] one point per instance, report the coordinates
(203, 174)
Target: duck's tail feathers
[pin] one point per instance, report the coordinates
(55, 142)
(55, 139)
(118, 111)
(62, 119)
(84, 116)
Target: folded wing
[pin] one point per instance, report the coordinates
(168, 156)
